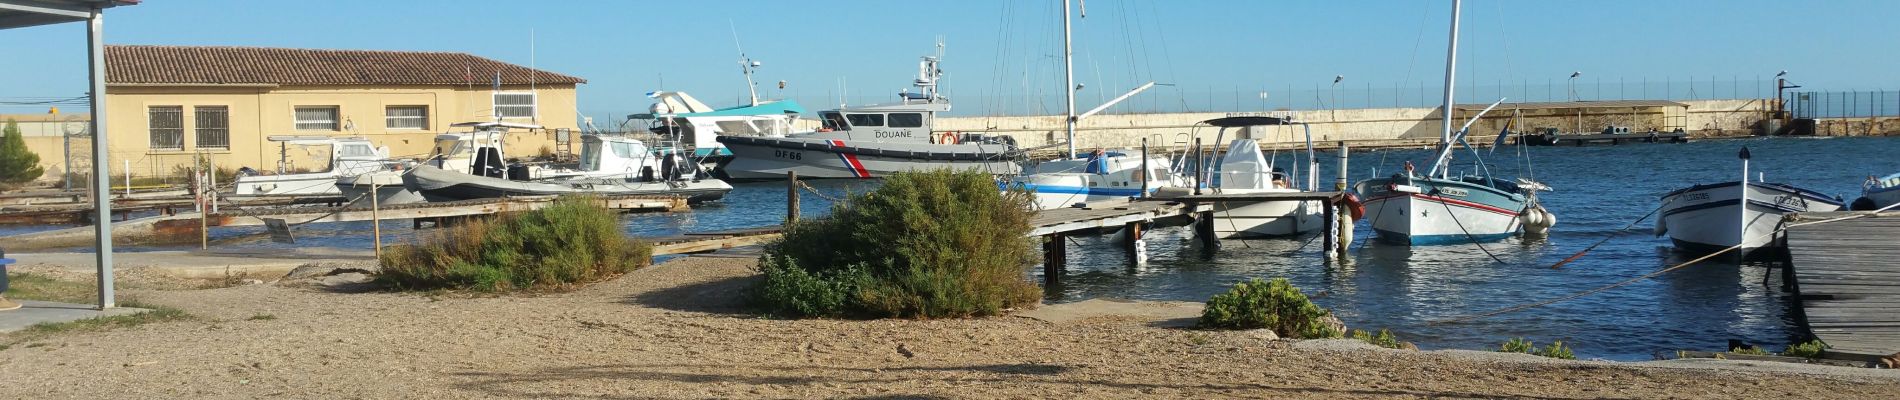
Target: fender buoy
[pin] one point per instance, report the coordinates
(948, 138)
(1353, 206)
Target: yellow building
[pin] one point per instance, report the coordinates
(169, 103)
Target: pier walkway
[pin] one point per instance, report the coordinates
(1847, 283)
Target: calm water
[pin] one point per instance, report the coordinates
(1598, 190)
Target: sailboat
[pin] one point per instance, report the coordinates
(1244, 169)
(1102, 175)
(1436, 207)
(1713, 217)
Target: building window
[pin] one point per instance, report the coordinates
(214, 127)
(907, 120)
(514, 105)
(316, 118)
(406, 117)
(168, 127)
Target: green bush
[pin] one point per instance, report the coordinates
(1811, 349)
(1383, 339)
(569, 242)
(1557, 350)
(1517, 345)
(1276, 305)
(1750, 350)
(923, 245)
(17, 164)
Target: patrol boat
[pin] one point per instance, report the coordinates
(874, 141)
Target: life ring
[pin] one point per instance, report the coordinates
(1354, 207)
(947, 138)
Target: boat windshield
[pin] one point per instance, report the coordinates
(834, 121)
(590, 156)
(447, 148)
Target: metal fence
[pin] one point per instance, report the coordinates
(1848, 104)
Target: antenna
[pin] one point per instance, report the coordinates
(746, 64)
(534, 117)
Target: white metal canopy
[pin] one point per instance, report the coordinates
(25, 13)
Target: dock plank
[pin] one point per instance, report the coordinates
(1846, 282)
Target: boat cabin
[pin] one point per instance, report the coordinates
(344, 156)
(457, 151)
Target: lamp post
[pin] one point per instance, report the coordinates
(1573, 84)
(1781, 84)
(1335, 90)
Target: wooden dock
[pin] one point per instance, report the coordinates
(414, 211)
(1847, 282)
(82, 213)
(699, 242)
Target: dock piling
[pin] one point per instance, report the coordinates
(1055, 255)
(1133, 243)
(791, 197)
(1343, 219)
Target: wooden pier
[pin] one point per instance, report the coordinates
(1054, 226)
(1845, 279)
(699, 242)
(435, 211)
(81, 213)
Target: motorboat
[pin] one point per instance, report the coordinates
(472, 166)
(1245, 169)
(1437, 207)
(873, 141)
(1712, 217)
(1878, 193)
(1101, 176)
(697, 126)
(439, 185)
(345, 157)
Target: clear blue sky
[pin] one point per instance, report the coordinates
(1219, 54)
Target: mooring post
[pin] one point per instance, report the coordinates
(1345, 218)
(1204, 227)
(1329, 227)
(1197, 166)
(1133, 244)
(791, 197)
(1054, 257)
(376, 217)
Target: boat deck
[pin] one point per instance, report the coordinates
(1847, 283)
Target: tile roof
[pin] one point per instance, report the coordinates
(281, 66)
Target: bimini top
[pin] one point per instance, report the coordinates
(766, 108)
(1243, 121)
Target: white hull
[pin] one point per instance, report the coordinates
(1710, 217)
(1420, 220)
(311, 184)
(1275, 218)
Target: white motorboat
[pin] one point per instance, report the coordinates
(1878, 193)
(472, 166)
(1102, 176)
(1245, 169)
(347, 157)
(1711, 218)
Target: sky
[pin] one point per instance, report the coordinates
(1003, 57)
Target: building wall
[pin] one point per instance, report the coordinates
(1376, 126)
(257, 112)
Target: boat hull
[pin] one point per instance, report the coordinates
(1066, 190)
(387, 184)
(436, 185)
(762, 158)
(312, 184)
(1440, 212)
(1709, 218)
(1248, 219)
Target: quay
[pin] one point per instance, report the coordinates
(1610, 138)
(1844, 278)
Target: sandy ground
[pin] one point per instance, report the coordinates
(678, 330)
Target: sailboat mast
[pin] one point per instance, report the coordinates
(1068, 76)
(1451, 79)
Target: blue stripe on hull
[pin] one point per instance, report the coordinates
(1433, 240)
(1046, 189)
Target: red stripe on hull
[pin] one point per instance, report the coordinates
(1455, 202)
(851, 160)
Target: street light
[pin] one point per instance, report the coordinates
(1335, 90)
(1781, 83)
(1573, 84)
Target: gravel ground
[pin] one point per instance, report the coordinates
(678, 330)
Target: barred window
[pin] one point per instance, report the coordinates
(214, 127)
(168, 127)
(514, 105)
(317, 118)
(406, 117)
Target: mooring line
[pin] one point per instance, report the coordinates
(1612, 235)
(1468, 235)
(1651, 274)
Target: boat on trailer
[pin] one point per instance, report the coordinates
(874, 141)
(1714, 217)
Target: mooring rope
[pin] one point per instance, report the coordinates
(814, 191)
(1660, 272)
(1612, 235)
(1468, 235)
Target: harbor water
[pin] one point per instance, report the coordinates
(1415, 291)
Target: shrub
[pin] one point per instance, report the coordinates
(923, 245)
(1275, 305)
(1750, 350)
(569, 242)
(1557, 350)
(1383, 339)
(17, 164)
(1811, 349)
(1517, 345)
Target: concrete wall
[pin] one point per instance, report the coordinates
(1360, 127)
(260, 111)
